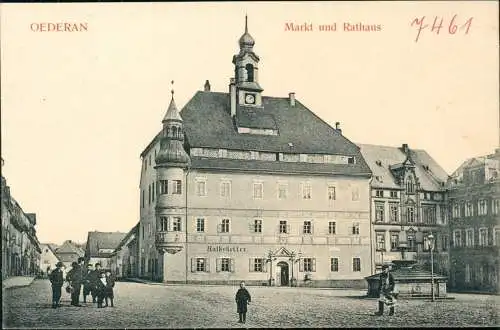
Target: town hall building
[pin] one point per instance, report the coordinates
(242, 186)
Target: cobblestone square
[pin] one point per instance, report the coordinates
(186, 306)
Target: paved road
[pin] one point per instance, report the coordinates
(142, 306)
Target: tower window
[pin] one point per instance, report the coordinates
(249, 68)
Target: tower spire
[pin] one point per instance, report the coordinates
(246, 23)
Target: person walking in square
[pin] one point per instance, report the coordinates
(243, 298)
(57, 280)
(110, 284)
(386, 285)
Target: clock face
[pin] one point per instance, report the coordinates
(249, 98)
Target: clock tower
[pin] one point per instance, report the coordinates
(245, 88)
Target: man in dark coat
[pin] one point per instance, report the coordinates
(93, 277)
(57, 280)
(242, 299)
(75, 278)
(87, 282)
(386, 287)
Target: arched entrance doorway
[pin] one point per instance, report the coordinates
(283, 275)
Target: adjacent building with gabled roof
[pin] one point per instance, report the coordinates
(48, 258)
(408, 203)
(242, 186)
(124, 258)
(68, 253)
(101, 245)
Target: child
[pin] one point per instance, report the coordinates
(101, 289)
(110, 284)
(242, 299)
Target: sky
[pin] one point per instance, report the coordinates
(78, 108)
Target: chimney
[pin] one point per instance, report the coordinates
(291, 97)
(337, 127)
(232, 93)
(207, 86)
(405, 148)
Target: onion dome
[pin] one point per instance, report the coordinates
(172, 153)
(246, 41)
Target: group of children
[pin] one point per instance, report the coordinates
(102, 289)
(96, 282)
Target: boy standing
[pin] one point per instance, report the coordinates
(110, 284)
(242, 299)
(101, 289)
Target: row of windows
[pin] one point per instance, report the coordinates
(428, 213)
(224, 226)
(260, 265)
(469, 208)
(258, 190)
(270, 156)
(424, 195)
(469, 239)
(412, 242)
(175, 187)
(161, 187)
(380, 193)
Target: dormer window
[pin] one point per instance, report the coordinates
(250, 75)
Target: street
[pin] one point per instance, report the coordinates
(188, 306)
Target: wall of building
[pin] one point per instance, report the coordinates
(241, 243)
(474, 256)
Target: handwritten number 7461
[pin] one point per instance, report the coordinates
(450, 27)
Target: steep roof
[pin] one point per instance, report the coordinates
(207, 119)
(50, 247)
(208, 123)
(380, 159)
(68, 247)
(102, 240)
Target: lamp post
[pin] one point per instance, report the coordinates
(431, 246)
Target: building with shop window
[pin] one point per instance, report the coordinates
(474, 199)
(408, 203)
(242, 186)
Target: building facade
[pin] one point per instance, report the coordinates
(69, 252)
(20, 246)
(48, 258)
(474, 196)
(100, 247)
(124, 257)
(241, 186)
(408, 203)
